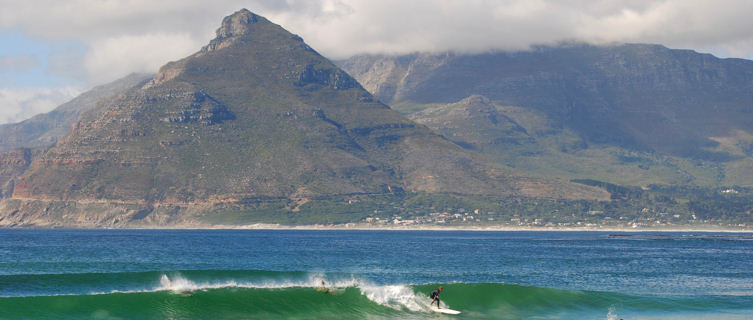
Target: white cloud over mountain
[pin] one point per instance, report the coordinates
(123, 36)
(19, 104)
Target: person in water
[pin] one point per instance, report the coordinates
(324, 288)
(435, 296)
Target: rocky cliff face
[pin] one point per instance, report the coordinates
(392, 78)
(12, 164)
(642, 97)
(257, 116)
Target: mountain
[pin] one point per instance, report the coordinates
(630, 114)
(44, 129)
(256, 125)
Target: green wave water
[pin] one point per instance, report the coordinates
(215, 294)
(320, 274)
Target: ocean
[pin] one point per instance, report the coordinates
(379, 274)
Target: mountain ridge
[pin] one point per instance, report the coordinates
(633, 114)
(619, 94)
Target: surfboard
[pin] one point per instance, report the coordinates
(445, 310)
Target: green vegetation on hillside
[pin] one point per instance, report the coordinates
(630, 207)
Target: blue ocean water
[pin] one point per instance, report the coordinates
(349, 274)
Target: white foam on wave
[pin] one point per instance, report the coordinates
(176, 282)
(612, 314)
(398, 297)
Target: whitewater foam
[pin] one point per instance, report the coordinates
(395, 296)
(612, 314)
(398, 297)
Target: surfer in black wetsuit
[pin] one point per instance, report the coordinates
(435, 296)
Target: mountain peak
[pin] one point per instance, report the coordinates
(477, 101)
(236, 24)
(232, 28)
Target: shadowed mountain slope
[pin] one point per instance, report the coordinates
(643, 97)
(630, 114)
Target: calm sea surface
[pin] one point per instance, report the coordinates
(322, 274)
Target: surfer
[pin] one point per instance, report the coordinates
(324, 288)
(435, 296)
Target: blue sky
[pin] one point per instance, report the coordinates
(35, 74)
(50, 55)
(30, 62)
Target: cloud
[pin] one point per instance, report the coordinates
(115, 57)
(340, 28)
(119, 36)
(92, 42)
(20, 104)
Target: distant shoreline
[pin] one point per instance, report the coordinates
(366, 227)
(363, 227)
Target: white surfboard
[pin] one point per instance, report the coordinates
(445, 310)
